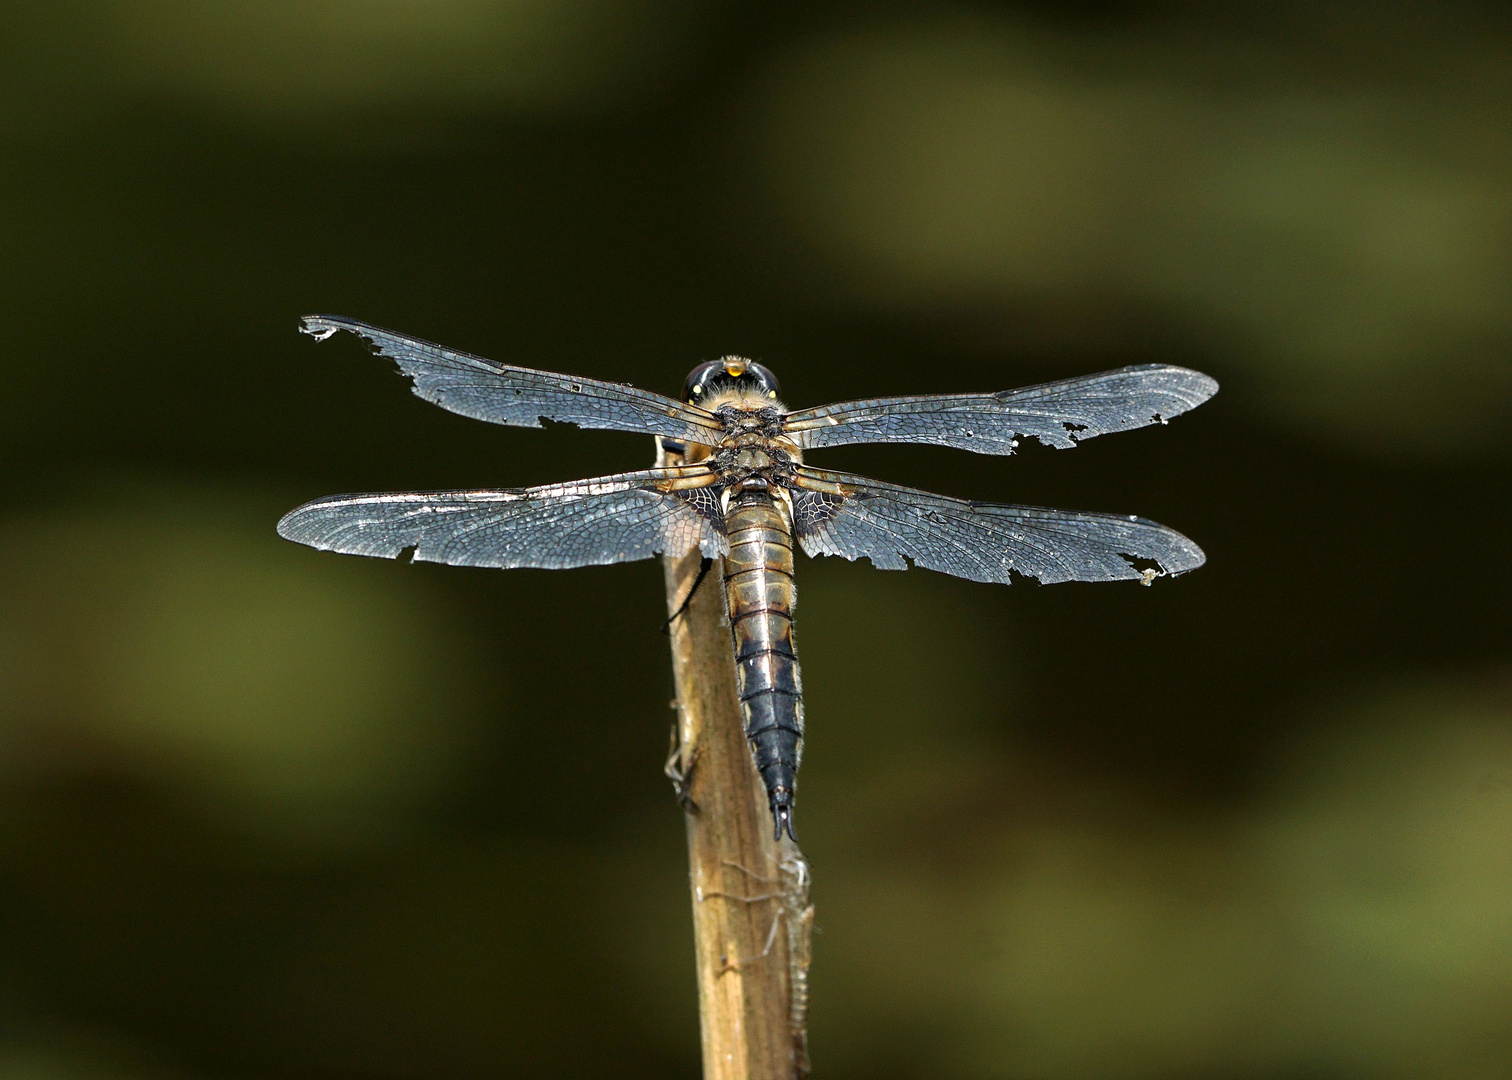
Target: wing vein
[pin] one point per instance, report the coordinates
(556, 526)
(893, 526)
(1058, 414)
(522, 397)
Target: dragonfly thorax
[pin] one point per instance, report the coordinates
(754, 458)
(744, 420)
(750, 462)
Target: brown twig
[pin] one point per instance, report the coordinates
(751, 916)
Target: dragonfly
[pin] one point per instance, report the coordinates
(733, 485)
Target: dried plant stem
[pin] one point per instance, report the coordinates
(751, 918)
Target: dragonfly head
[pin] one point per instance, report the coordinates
(731, 376)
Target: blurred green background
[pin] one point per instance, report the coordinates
(267, 812)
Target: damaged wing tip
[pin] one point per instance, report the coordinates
(1179, 558)
(319, 327)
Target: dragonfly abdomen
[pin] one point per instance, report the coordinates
(759, 588)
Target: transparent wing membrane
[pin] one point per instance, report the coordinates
(638, 515)
(522, 397)
(559, 526)
(852, 516)
(1059, 414)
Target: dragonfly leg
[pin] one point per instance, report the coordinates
(703, 571)
(681, 777)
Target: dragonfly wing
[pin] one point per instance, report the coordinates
(556, 527)
(840, 514)
(1059, 414)
(522, 397)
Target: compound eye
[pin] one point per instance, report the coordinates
(768, 381)
(699, 378)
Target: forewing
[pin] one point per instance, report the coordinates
(1059, 414)
(559, 526)
(521, 397)
(840, 514)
